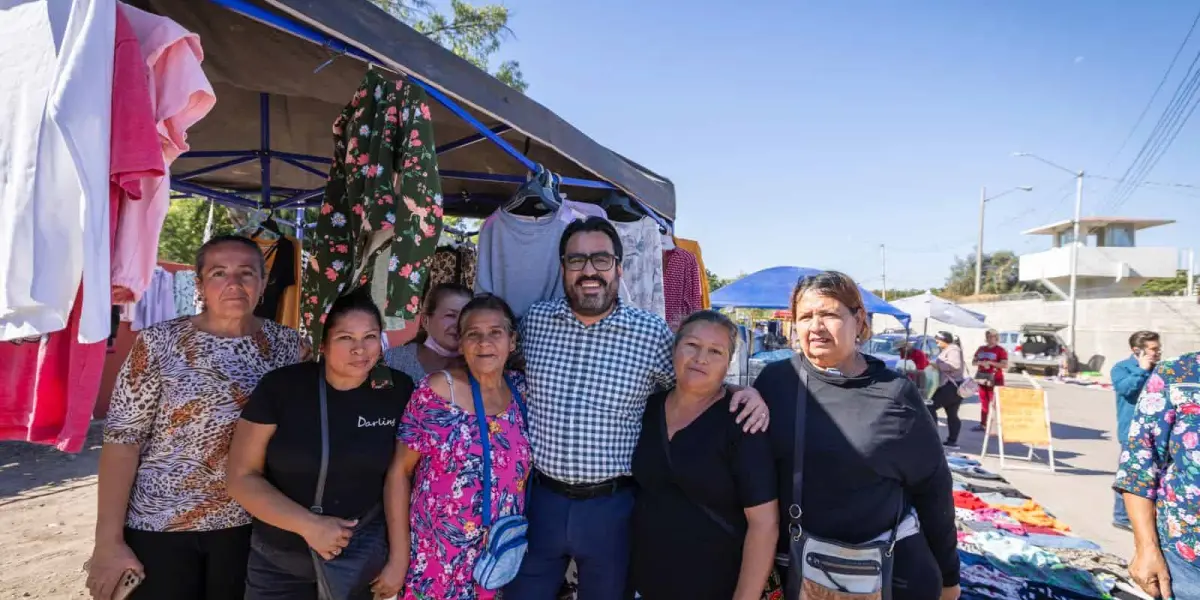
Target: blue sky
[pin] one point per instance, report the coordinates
(809, 133)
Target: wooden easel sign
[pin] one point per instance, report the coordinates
(1020, 416)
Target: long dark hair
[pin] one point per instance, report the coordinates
(486, 301)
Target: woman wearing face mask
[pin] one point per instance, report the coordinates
(435, 500)
(706, 518)
(164, 512)
(436, 345)
(949, 363)
(871, 466)
(276, 461)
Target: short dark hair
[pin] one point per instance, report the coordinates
(202, 253)
(708, 316)
(840, 287)
(588, 225)
(1140, 338)
(358, 300)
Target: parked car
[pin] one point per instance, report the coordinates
(1039, 348)
(886, 347)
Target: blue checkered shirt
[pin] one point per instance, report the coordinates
(588, 387)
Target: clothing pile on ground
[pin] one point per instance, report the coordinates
(96, 111)
(1011, 548)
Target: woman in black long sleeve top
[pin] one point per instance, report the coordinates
(871, 448)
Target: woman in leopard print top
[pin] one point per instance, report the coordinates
(163, 508)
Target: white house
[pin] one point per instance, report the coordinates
(1111, 264)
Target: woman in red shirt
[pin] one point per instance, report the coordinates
(991, 359)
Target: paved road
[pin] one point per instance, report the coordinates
(1079, 493)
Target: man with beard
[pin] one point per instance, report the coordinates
(591, 363)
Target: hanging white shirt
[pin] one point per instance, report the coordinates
(56, 62)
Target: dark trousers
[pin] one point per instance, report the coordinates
(596, 532)
(279, 574)
(191, 565)
(915, 573)
(946, 398)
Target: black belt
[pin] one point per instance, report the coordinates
(584, 491)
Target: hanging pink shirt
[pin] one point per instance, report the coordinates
(180, 95)
(49, 388)
(681, 286)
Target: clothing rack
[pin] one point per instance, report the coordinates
(270, 197)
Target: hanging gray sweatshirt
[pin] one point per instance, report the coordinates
(518, 259)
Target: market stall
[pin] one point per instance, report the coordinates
(244, 98)
(1012, 548)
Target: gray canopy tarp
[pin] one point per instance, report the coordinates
(244, 58)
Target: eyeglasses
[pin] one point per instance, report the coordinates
(602, 261)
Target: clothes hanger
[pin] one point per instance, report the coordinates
(618, 207)
(542, 189)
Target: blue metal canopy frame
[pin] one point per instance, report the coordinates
(274, 198)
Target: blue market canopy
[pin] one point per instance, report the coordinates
(283, 69)
(772, 289)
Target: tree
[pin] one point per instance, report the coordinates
(183, 229)
(898, 294)
(1000, 276)
(716, 282)
(1175, 286)
(472, 32)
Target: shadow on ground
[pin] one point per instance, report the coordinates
(32, 470)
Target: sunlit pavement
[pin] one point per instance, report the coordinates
(1079, 493)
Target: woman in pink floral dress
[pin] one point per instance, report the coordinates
(440, 513)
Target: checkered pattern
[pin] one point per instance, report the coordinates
(588, 387)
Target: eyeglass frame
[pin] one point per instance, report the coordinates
(591, 258)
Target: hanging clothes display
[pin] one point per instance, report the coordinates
(157, 303)
(453, 264)
(681, 286)
(181, 95)
(55, 125)
(185, 293)
(518, 259)
(693, 248)
(642, 264)
(383, 190)
(281, 298)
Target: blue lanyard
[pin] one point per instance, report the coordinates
(485, 439)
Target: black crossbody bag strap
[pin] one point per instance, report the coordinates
(320, 495)
(794, 511)
(666, 446)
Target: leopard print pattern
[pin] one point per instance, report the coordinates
(178, 396)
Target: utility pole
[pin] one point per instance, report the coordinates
(979, 244)
(1075, 241)
(883, 254)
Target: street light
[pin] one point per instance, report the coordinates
(1074, 239)
(983, 200)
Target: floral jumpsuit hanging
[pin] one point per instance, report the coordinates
(383, 190)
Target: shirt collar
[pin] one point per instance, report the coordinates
(619, 317)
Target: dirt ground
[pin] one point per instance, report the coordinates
(47, 515)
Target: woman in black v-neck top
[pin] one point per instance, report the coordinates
(705, 520)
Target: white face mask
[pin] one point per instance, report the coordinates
(438, 349)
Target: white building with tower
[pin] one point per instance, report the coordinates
(1110, 263)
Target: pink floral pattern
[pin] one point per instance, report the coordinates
(383, 150)
(446, 515)
(1160, 460)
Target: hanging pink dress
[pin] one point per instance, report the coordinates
(446, 514)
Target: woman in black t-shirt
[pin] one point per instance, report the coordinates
(872, 458)
(275, 461)
(706, 518)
